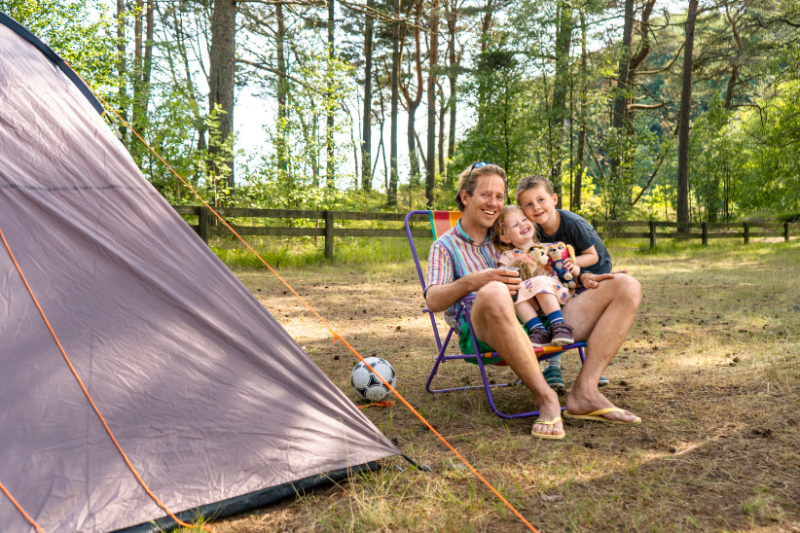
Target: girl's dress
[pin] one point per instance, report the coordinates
(544, 280)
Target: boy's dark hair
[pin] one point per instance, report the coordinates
(531, 182)
(468, 179)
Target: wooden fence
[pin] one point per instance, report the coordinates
(325, 226)
(615, 229)
(326, 229)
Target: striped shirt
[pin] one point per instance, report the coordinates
(453, 256)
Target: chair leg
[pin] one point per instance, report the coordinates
(487, 387)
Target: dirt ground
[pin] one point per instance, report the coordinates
(711, 365)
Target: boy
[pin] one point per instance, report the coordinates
(536, 197)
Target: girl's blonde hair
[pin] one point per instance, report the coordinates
(499, 228)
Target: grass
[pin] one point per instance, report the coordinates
(712, 365)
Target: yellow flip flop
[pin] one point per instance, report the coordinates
(548, 423)
(597, 416)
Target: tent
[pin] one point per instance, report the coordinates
(218, 409)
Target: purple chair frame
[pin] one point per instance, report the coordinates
(442, 346)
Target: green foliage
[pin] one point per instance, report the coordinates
(77, 30)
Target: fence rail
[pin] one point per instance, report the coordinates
(206, 228)
(325, 221)
(684, 231)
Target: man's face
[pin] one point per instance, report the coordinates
(484, 205)
(538, 204)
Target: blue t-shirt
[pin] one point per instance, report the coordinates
(574, 230)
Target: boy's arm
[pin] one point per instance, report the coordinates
(587, 258)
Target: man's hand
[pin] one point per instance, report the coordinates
(440, 297)
(479, 279)
(592, 281)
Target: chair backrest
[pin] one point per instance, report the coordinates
(441, 222)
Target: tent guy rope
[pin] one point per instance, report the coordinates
(335, 335)
(91, 401)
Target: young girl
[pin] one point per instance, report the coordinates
(514, 234)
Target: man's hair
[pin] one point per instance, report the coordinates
(499, 228)
(531, 182)
(468, 180)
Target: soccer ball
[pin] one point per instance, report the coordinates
(367, 385)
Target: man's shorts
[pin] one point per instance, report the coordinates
(465, 343)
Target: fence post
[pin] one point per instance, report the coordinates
(747, 233)
(786, 231)
(705, 233)
(329, 235)
(203, 218)
(652, 234)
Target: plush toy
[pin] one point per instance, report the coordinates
(557, 253)
(527, 270)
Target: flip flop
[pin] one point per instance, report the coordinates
(548, 423)
(597, 416)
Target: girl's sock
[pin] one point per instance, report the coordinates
(535, 323)
(555, 361)
(555, 317)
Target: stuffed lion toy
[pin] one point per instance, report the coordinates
(527, 270)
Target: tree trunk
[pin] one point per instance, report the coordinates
(685, 118)
(329, 145)
(451, 12)
(283, 89)
(391, 194)
(560, 87)
(486, 24)
(412, 104)
(137, 64)
(576, 191)
(442, 114)
(621, 96)
(433, 53)
(366, 138)
(734, 79)
(122, 90)
(222, 57)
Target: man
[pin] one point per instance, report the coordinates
(463, 261)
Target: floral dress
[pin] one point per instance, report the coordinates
(544, 281)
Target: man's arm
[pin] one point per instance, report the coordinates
(440, 297)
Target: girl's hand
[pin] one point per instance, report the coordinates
(572, 267)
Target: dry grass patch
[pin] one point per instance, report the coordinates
(712, 367)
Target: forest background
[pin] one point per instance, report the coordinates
(636, 109)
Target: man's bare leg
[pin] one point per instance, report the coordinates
(603, 317)
(495, 323)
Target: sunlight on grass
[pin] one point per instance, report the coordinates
(712, 364)
(302, 252)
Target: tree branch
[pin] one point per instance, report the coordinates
(652, 176)
(644, 106)
(261, 66)
(669, 65)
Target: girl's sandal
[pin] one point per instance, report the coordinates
(553, 422)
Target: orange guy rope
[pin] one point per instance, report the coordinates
(21, 510)
(335, 335)
(91, 401)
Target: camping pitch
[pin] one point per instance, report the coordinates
(215, 405)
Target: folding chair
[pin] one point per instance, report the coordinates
(441, 222)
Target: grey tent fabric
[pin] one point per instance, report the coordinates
(208, 395)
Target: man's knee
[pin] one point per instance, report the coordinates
(630, 289)
(494, 300)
